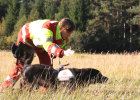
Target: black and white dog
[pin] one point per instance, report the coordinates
(43, 75)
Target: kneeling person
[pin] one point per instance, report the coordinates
(45, 37)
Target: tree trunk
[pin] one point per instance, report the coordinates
(131, 38)
(124, 36)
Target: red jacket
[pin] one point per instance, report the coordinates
(44, 34)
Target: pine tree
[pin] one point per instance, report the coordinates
(79, 13)
(133, 20)
(50, 8)
(17, 27)
(22, 11)
(135, 10)
(34, 13)
(63, 10)
(39, 6)
(111, 18)
(11, 16)
(2, 26)
(3, 8)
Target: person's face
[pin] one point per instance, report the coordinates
(64, 33)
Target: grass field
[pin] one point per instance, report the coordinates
(123, 71)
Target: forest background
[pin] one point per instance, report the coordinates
(101, 25)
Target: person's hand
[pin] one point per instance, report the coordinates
(69, 52)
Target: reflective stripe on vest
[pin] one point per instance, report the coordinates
(10, 80)
(53, 49)
(24, 34)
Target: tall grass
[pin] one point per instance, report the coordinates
(123, 71)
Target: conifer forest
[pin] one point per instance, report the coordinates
(101, 25)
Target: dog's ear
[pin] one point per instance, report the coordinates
(13, 49)
(17, 50)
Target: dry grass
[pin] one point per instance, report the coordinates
(123, 71)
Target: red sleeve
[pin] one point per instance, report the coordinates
(56, 50)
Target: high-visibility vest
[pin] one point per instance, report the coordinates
(44, 34)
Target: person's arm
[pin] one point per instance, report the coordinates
(48, 45)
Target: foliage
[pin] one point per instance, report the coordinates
(136, 11)
(17, 27)
(38, 5)
(63, 9)
(79, 10)
(77, 41)
(23, 10)
(101, 25)
(2, 26)
(50, 8)
(3, 7)
(34, 15)
(35, 12)
(11, 16)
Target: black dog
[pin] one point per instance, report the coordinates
(43, 75)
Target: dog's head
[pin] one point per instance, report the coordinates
(23, 53)
(94, 76)
(89, 75)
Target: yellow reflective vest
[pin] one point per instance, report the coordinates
(44, 34)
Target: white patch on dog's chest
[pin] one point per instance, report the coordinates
(65, 75)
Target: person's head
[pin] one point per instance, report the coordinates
(66, 27)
